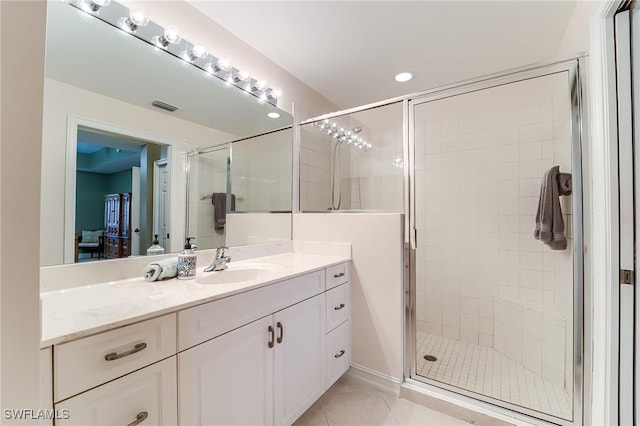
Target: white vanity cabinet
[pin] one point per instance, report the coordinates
(145, 397)
(299, 372)
(338, 337)
(270, 370)
(227, 380)
(125, 376)
(262, 357)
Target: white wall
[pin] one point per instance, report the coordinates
(376, 279)
(22, 29)
(62, 100)
(576, 36)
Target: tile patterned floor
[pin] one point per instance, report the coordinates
(482, 370)
(355, 403)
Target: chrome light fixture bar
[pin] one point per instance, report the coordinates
(135, 23)
(342, 135)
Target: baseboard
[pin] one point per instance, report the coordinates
(381, 381)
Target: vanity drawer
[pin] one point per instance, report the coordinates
(338, 352)
(148, 396)
(204, 322)
(85, 363)
(337, 275)
(338, 305)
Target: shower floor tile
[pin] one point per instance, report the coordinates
(482, 370)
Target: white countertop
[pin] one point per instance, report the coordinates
(80, 311)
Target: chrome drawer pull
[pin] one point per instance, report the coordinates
(341, 274)
(114, 355)
(337, 308)
(141, 417)
(339, 354)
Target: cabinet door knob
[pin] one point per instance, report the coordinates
(341, 274)
(270, 329)
(114, 355)
(281, 329)
(337, 308)
(339, 354)
(141, 417)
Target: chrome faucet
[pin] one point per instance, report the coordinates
(220, 261)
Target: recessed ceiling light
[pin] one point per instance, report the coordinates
(403, 76)
(273, 115)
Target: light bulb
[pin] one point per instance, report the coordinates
(138, 18)
(170, 36)
(95, 5)
(195, 52)
(403, 77)
(223, 64)
(241, 76)
(259, 86)
(135, 19)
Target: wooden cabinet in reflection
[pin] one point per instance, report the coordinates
(117, 225)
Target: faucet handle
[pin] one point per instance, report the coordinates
(221, 252)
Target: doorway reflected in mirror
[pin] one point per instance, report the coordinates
(121, 197)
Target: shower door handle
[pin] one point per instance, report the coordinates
(414, 239)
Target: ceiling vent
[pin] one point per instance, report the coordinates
(164, 105)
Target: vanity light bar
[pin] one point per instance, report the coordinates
(340, 134)
(168, 39)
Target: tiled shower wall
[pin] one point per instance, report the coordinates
(371, 179)
(315, 169)
(482, 277)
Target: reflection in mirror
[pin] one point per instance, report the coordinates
(100, 77)
(261, 170)
(119, 179)
(207, 183)
(253, 205)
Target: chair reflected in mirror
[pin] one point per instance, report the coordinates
(90, 242)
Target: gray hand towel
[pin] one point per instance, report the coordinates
(219, 201)
(549, 221)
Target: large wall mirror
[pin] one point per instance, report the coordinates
(115, 164)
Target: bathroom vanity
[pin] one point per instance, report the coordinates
(257, 343)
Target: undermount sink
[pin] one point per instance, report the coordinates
(230, 276)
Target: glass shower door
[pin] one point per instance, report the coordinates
(494, 306)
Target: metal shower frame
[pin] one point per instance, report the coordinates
(575, 66)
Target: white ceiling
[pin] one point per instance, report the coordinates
(349, 51)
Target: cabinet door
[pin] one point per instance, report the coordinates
(300, 376)
(112, 214)
(228, 380)
(147, 396)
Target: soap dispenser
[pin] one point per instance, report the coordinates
(155, 248)
(187, 262)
